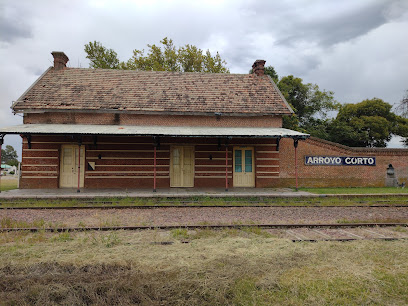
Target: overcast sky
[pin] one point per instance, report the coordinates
(358, 49)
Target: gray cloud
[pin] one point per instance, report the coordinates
(13, 24)
(333, 29)
(322, 22)
(356, 48)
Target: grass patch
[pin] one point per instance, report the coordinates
(62, 237)
(217, 268)
(245, 232)
(373, 220)
(207, 201)
(8, 184)
(356, 190)
(7, 222)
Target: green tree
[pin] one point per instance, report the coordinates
(269, 70)
(101, 57)
(163, 57)
(310, 104)
(9, 156)
(370, 123)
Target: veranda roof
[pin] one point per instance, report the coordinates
(173, 131)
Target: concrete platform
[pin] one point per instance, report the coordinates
(148, 193)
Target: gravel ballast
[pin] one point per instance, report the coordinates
(208, 215)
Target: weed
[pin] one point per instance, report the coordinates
(63, 237)
(180, 233)
(400, 229)
(7, 222)
(110, 240)
(257, 231)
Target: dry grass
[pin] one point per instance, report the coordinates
(214, 268)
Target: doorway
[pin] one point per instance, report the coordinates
(182, 166)
(244, 174)
(69, 166)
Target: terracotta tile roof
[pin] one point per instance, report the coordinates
(149, 91)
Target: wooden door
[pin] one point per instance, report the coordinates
(182, 166)
(244, 167)
(69, 166)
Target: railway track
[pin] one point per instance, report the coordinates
(191, 206)
(293, 232)
(169, 204)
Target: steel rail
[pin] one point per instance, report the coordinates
(350, 239)
(191, 227)
(198, 201)
(191, 201)
(193, 206)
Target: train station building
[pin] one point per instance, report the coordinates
(105, 128)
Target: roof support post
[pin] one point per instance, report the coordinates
(1, 143)
(295, 144)
(277, 143)
(79, 163)
(29, 140)
(156, 145)
(226, 164)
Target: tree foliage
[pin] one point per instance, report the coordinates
(9, 156)
(370, 123)
(162, 57)
(310, 104)
(101, 57)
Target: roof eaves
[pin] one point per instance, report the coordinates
(280, 94)
(144, 112)
(29, 88)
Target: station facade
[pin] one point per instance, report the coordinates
(102, 128)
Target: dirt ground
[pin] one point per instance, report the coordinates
(207, 215)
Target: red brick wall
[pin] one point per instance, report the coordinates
(134, 119)
(127, 162)
(321, 176)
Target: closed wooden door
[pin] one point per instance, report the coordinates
(182, 166)
(244, 166)
(69, 166)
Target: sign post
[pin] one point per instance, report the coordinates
(295, 143)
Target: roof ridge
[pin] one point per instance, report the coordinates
(155, 71)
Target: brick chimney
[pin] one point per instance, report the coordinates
(60, 60)
(259, 67)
